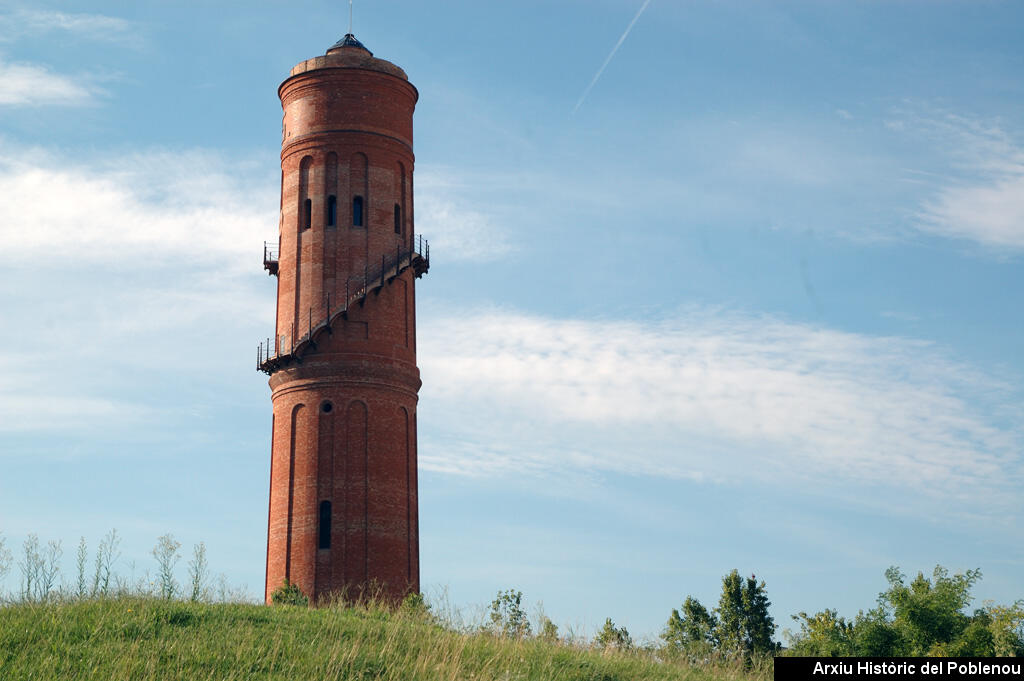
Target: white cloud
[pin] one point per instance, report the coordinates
(704, 395)
(33, 85)
(985, 202)
(30, 84)
(715, 396)
(99, 27)
(93, 24)
(991, 214)
(457, 228)
(190, 207)
(124, 267)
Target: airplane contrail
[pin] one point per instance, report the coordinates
(612, 54)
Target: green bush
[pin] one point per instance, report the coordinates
(614, 637)
(289, 593)
(415, 607)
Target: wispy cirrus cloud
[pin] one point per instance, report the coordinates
(24, 22)
(31, 84)
(982, 199)
(990, 214)
(24, 84)
(458, 228)
(714, 395)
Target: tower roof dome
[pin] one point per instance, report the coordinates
(348, 40)
(349, 53)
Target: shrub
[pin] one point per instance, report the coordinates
(289, 593)
(610, 636)
(507, 615)
(548, 630)
(416, 608)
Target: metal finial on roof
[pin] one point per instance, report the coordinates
(350, 17)
(349, 41)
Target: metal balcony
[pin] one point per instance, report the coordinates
(271, 257)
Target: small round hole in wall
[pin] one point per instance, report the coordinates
(326, 407)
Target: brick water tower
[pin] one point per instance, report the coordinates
(342, 364)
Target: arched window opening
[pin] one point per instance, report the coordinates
(324, 539)
(308, 214)
(332, 210)
(398, 219)
(357, 211)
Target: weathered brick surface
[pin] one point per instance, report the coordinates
(344, 428)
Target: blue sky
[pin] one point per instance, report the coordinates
(751, 301)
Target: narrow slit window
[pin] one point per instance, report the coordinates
(308, 214)
(398, 219)
(357, 211)
(324, 539)
(332, 210)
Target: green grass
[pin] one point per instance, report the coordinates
(147, 638)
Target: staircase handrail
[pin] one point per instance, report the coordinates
(356, 289)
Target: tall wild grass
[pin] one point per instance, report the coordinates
(99, 626)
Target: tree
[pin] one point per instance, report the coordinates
(759, 626)
(875, 636)
(976, 639)
(507, 615)
(691, 632)
(744, 625)
(928, 613)
(1007, 626)
(824, 634)
(612, 637)
(730, 614)
(925, 617)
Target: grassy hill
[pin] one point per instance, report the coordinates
(148, 638)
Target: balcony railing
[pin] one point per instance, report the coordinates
(271, 257)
